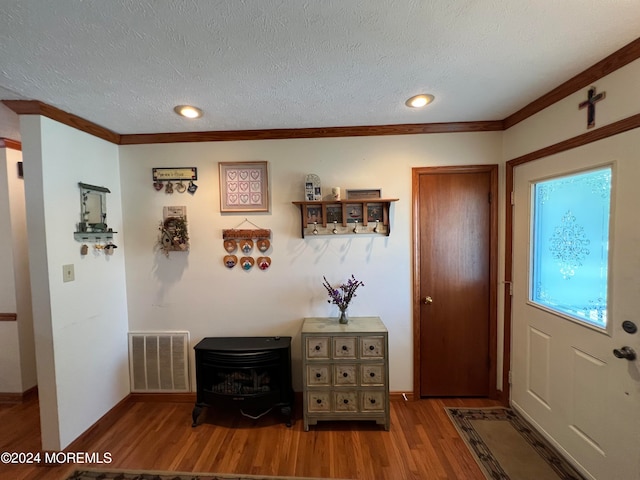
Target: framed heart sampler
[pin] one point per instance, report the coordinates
(244, 187)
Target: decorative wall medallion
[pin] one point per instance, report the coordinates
(230, 245)
(158, 186)
(246, 246)
(263, 244)
(264, 263)
(230, 261)
(247, 263)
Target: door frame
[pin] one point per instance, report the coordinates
(492, 169)
(601, 133)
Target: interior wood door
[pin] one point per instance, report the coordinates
(565, 377)
(455, 224)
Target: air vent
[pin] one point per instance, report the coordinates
(158, 361)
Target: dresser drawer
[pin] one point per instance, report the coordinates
(318, 375)
(372, 374)
(345, 374)
(318, 402)
(317, 347)
(372, 347)
(346, 401)
(344, 347)
(372, 401)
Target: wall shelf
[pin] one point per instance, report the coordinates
(93, 236)
(345, 217)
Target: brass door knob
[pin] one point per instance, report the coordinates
(427, 300)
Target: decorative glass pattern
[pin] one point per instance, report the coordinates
(570, 245)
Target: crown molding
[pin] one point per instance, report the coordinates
(322, 132)
(8, 143)
(610, 64)
(35, 107)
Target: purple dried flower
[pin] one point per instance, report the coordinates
(342, 295)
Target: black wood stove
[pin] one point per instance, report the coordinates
(250, 373)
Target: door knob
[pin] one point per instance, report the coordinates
(625, 352)
(427, 300)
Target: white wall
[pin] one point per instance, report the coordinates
(15, 189)
(195, 292)
(80, 326)
(10, 368)
(9, 120)
(564, 120)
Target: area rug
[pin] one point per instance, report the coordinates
(150, 475)
(506, 447)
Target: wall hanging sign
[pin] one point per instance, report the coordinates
(364, 194)
(244, 187)
(183, 176)
(246, 240)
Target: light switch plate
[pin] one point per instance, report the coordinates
(68, 275)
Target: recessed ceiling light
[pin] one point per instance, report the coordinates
(188, 111)
(419, 101)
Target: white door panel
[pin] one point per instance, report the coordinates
(565, 377)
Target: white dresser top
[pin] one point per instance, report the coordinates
(355, 325)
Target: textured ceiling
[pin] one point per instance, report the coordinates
(263, 64)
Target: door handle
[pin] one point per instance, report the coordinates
(427, 300)
(625, 352)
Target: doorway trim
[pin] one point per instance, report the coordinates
(493, 267)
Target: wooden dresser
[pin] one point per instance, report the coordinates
(345, 370)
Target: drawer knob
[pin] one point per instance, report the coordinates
(344, 347)
(317, 347)
(373, 401)
(318, 401)
(346, 400)
(372, 374)
(318, 375)
(371, 347)
(345, 374)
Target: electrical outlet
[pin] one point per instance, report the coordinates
(68, 275)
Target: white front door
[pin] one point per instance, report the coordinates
(565, 377)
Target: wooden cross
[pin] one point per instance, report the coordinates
(590, 103)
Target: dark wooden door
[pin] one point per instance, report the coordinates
(455, 223)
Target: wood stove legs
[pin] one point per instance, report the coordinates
(195, 414)
(287, 411)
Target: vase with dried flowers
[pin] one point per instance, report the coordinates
(342, 295)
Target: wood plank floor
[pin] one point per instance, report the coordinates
(422, 443)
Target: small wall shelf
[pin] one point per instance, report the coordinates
(345, 217)
(93, 236)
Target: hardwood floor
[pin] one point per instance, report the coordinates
(422, 443)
